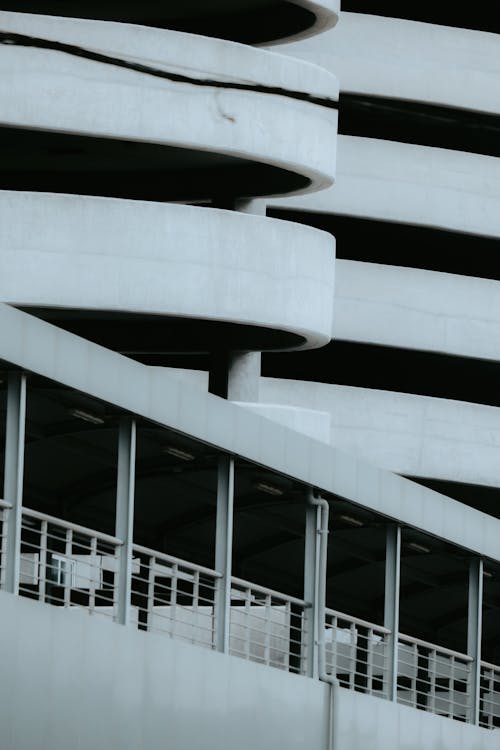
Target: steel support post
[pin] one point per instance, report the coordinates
(13, 476)
(391, 605)
(124, 523)
(474, 632)
(224, 551)
(311, 592)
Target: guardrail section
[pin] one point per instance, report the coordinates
(173, 597)
(75, 567)
(489, 706)
(4, 514)
(434, 679)
(356, 652)
(67, 565)
(267, 627)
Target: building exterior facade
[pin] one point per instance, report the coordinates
(249, 313)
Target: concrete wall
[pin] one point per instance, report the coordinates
(69, 679)
(134, 256)
(409, 434)
(420, 185)
(50, 90)
(408, 60)
(417, 309)
(367, 723)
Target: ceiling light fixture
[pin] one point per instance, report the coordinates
(351, 521)
(86, 416)
(418, 547)
(270, 489)
(178, 453)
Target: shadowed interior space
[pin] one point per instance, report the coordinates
(423, 124)
(390, 369)
(247, 21)
(65, 163)
(156, 339)
(483, 15)
(404, 245)
(70, 473)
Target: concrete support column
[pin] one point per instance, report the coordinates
(474, 633)
(311, 593)
(13, 476)
(235, 375)
(224, 551)
(243, 376)
(391, 605)
(255, 206)
(124, 524)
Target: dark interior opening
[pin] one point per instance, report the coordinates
(156, 339)
(247, 21)
(415, 122)
(85, 165)
(483, 15)
(391, 369)
(405, 245)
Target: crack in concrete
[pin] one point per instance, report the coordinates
(23, 40)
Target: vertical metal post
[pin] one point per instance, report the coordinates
(474, 632)
(13, 476)
(391, 605)
(124, 524)
(224, 551)
(311, 594)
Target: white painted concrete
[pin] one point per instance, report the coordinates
(368, 722)
(55, 91)
(166, 259)
(313, 423)
(74, 680)
(188, 54)
(408, 434)
(138, 687)
(417, 309)
(402, 59)
(310, 422)
(410, 184)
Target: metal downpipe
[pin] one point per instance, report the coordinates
(323, 510)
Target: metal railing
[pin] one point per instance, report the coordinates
(173, 597)
(67, 565)
(434, 679)
(267, 627)
(357, 653)
(4, 516)
(489, 705)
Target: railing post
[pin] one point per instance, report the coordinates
(391, 605)
(474, 632)
(311, 570)
(13, 476)
(224, 551)
(124, 523)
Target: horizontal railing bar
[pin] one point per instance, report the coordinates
(357, 621)
(487, 665)
(175, 560)
(271, 592)
(164, 589)
(441, 650)
(71, 526)
(5, 504)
